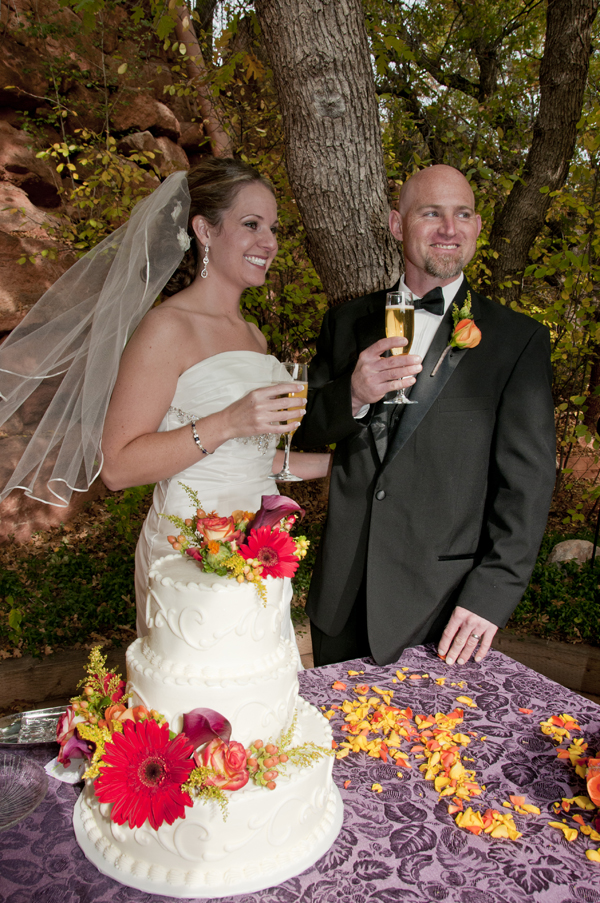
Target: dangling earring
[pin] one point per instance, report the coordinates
(203, 271)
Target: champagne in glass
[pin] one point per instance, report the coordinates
(301, 393)
(400, 322)
(298, 373)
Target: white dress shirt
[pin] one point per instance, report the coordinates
(426, 324)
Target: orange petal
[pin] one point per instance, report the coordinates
(347, 784)
(517, 800)
(526, 711)
(338, 685)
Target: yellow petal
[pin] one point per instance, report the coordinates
(376, 788)
(466, 700)
(569, 833)
(583, 802)
(593, 855)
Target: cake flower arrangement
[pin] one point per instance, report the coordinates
(151, 774)
(244, 546)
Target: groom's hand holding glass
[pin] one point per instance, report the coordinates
(375, 375)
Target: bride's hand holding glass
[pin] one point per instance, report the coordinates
(267, 410)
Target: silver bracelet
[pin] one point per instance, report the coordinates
(204, 451)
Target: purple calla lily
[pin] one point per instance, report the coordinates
(202, 725)
(273, 508)
(74, 748)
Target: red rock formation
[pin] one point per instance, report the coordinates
(43, 73)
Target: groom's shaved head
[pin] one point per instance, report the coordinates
(433, 182)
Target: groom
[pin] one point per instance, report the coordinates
(436, 509)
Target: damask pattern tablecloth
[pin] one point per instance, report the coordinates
(400, 845)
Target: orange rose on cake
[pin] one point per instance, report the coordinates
(217, 529)
(227, 760)
(593, 780)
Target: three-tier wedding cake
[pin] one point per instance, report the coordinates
(215, 643)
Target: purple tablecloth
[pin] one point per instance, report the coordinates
(398, 846)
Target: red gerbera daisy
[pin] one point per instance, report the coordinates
(142, 774)
(274, 549)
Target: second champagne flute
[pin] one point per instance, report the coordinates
(298, 373)
(400, 321)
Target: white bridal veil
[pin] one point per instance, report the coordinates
(59, 366)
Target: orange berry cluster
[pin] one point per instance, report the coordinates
(262, 761)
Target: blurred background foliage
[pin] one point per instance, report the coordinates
(457, 82)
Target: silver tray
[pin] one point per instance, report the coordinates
(31, 728)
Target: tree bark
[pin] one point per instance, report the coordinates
(563, 77)
(321, 67)
(186, 34)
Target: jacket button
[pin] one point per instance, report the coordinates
(380, 494)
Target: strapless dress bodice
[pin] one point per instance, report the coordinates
(235, 476)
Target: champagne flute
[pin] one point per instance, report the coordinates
(400, 321)
(298, 373)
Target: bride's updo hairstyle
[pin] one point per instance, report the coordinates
(213, 185)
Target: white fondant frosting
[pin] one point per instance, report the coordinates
(214, 644)
(200, 620)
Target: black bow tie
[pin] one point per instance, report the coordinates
(433, 301)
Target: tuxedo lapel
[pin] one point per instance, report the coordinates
(428, 386)
(369, 328)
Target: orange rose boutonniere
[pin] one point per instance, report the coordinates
(465, 333)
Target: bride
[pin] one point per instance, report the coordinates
(197, 400)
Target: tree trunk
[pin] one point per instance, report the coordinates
(563, 76)
(186, 34)
(322, 72)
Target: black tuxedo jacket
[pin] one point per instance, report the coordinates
(455, 512)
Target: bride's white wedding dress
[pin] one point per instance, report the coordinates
(234, 477)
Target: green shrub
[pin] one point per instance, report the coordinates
(562, 602)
